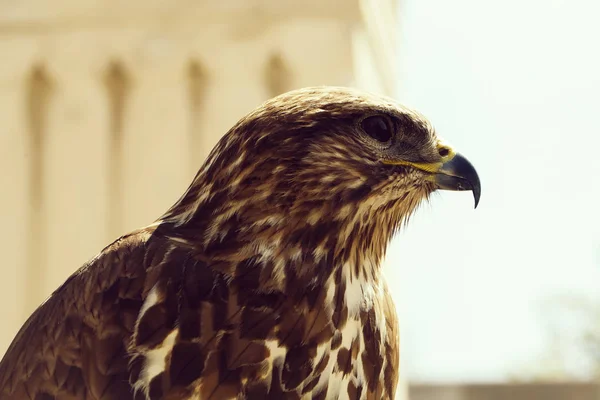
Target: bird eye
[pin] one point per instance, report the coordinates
(377, 127)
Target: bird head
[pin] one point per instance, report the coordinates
(318, 169)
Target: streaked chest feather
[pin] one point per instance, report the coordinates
(348, 359)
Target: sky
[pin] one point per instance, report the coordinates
(515, 87)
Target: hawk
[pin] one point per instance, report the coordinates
(264, 280)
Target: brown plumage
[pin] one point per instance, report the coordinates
(263, 281)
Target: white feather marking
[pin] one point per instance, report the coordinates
(155, 358)
(379, 296)
(277, 352)
(154, 362)
(182, 241)
(151, 300)
(333, 390)
(276, 356)
(337, 384)
(359, 293)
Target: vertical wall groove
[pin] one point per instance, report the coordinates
(117, 83)
(197, 85)
(278, 76)
(38, 95)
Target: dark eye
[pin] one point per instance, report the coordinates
(378, 127)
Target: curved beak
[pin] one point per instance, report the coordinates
(458, 173)
(453, 172)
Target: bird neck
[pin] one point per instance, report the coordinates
(303, 245)
(294, 238)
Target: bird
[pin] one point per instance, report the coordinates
(264, 280)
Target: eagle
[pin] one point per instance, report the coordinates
(264, 280)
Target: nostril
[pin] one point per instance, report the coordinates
(444, 151)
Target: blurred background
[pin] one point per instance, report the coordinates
(108, 108)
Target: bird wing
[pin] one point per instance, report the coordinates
(74, 345)
(146, 318)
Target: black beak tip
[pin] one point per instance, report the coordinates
(475, 184)
(476, 194)
(467, 171)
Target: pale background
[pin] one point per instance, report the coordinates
(107, 109)
(514, 85)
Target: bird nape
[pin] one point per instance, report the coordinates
(264, 280)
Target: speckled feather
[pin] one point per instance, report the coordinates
(262, 282)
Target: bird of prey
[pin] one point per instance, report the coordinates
(263, 281)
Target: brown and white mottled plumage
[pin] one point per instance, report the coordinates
(263, 281)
